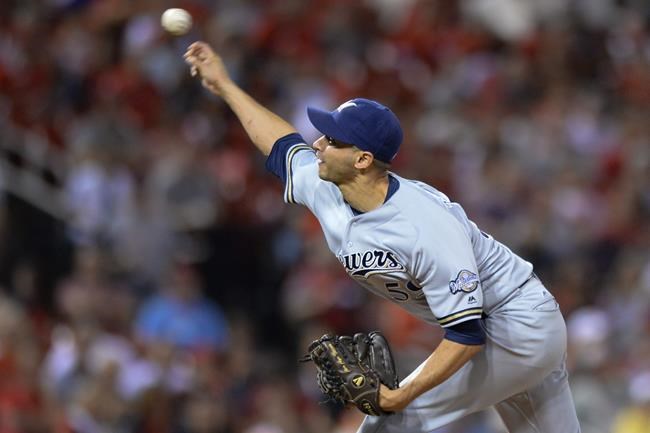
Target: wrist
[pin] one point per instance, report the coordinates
(394, 400)
(227, 88)
(406, 394)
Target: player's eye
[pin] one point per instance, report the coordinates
(332, 142)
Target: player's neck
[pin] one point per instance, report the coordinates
(366, 192)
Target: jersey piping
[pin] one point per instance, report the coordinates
(460, 316)
(289, 189)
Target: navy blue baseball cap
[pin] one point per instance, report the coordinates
(367, 124)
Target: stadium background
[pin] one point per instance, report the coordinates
(152, 280)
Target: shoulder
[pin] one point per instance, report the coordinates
(422, 190)
(428, 211)
(418, 201)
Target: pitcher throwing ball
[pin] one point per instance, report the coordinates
(505, 338)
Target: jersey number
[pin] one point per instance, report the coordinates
(403, 294)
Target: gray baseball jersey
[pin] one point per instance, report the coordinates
(421, 251)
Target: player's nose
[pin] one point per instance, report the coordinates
(319, 144)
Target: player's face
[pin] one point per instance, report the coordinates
(335, 160)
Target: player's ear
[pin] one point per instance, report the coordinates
(364, 160)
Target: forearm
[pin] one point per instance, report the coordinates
(447, 359)
(262, 125)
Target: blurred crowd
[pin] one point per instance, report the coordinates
(152, 280)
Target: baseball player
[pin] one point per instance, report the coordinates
(505, 338)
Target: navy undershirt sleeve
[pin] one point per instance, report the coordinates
(276, 161)
(470, 333)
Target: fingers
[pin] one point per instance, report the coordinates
(194, 48)
(191, 57)
(199, 50)
(203, 61)
(193, 62)
(190, 60)
(197, 45)
(194, 53)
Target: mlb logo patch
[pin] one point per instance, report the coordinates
(466, 282)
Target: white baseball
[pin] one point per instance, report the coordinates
(176, 21)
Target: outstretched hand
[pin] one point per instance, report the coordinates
(208, 65)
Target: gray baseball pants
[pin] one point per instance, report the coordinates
(521, 372)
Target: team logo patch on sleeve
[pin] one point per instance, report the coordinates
(466, 281)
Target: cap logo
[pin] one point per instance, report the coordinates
(345, 105)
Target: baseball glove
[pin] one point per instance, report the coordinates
(350, 369)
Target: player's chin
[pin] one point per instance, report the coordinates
(322, 171)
